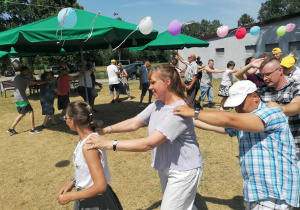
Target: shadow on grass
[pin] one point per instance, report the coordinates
(62, 163)
(110, 113)
(236, 203)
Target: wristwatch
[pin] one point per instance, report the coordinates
(196, 112)
(197, 109)
(115, 142)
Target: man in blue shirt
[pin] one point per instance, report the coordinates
(144, 83)
(267, 152)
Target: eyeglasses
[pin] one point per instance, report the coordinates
(189, 57)
(269, 74)
(64, 118)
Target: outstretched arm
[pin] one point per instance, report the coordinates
(246, 121)
(240, 74)
(208, 127)
(131, 124)
(179, 56)
(133, 145)
(290, 109)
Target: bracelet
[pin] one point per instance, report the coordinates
(73, 180)
(111, 129)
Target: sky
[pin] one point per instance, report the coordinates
(163, 12)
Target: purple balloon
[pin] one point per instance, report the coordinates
(174, 28)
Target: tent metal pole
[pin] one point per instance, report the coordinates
(83, 71)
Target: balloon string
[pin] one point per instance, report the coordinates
(92, 26)
(126, 38)
(130, 33)
(61, 24)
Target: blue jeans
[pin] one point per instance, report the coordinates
(206, 91)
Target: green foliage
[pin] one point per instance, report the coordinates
(245, 19)
(19, 12)
(277, 8)
(203, 28)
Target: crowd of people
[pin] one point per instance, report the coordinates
(266, 123)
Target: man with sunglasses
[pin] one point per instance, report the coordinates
(267, 153)
(282, 93)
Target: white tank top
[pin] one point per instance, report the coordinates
(82, 173)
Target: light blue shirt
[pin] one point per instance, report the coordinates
(181, 150)
(268, 159)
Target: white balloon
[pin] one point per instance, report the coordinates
(146, 25)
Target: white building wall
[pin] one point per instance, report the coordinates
(234, 49)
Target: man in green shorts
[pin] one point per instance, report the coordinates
(21, 101)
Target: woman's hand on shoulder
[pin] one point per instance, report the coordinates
(97, 142)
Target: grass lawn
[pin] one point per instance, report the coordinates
(35, 167)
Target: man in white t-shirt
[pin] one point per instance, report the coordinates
(113, 81)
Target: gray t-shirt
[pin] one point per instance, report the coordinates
(20, 83)
(206, 79)
(181, 150)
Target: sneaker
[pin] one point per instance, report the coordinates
(128, 99)
(142, 106)
(34, 131)
(113, 101)
(12, 131)
(221, 109)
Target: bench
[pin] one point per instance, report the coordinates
(7, 85)
(34, 88)
(74, 85)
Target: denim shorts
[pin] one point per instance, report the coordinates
(114, 87)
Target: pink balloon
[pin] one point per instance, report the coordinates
(174, 28)
(222, 31)
(240, 33)
(289, 27)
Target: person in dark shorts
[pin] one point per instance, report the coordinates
(63, 85)
(21, 101)
(47, 96)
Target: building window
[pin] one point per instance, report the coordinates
(270, 47)
(220, 51)
(294, 46)
(250, 49)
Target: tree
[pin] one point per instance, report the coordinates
(19, 12)
(277, 8)
(196, 29)
(245, 19)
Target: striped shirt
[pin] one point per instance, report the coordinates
(191, 71)
(181, 150)
(268, 159)
(284, 96)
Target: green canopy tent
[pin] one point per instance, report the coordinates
(165, 41)
(41, 36)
